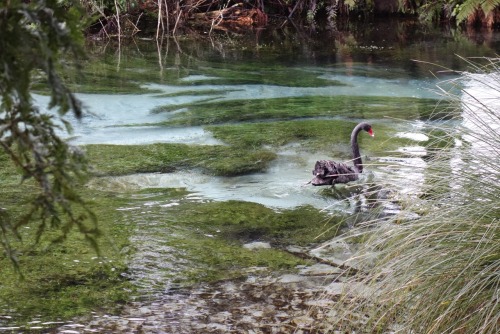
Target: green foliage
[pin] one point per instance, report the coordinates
(489, 5)
(431, 11)
(92, 6)
(468, 8)
(459, 10)
(33, 37)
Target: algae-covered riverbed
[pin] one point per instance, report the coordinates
(201, 153)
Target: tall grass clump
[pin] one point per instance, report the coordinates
(440, 272)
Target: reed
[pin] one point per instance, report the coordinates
(440, 272)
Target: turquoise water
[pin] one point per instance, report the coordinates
(169, 92)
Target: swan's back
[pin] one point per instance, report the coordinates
(327, 172)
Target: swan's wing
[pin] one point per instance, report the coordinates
(322, 168)
(328, 172)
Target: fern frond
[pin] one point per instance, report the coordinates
(489, 5)
(468, 8)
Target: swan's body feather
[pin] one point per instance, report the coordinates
(328, 172)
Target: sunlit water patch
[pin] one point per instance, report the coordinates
(341, 85)
(415, 136)
(141, 135)
(285, 184)
(107, 119)
(406, 175)
(480, 101)
(121, 119)
(481, 110)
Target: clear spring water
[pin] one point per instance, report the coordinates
(121, 92)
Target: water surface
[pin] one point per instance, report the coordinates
(183, 91)
(379, 62)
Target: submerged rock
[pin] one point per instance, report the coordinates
(290, 303)
(257, 245)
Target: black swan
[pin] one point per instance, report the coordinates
(327, 172)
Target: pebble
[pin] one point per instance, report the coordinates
(74, 325)
(291, 278)
(303, 321)
(144, 311)
(261, 303)
(320, 269)
(257, 245)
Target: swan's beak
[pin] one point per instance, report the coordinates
(370, 132)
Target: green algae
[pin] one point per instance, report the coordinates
(68, 279)
(102, 76)
(211, 159)
(245, 221)
(251, 147)
(215, 259)
(201, 92)
(65, 279)
(314, 135)
(287, 108)
(213, 235)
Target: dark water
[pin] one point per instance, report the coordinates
(185, 90)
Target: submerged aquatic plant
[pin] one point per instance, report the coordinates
(440, 273)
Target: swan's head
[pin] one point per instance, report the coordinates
(368, 128)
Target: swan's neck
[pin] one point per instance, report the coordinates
(358, 163)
